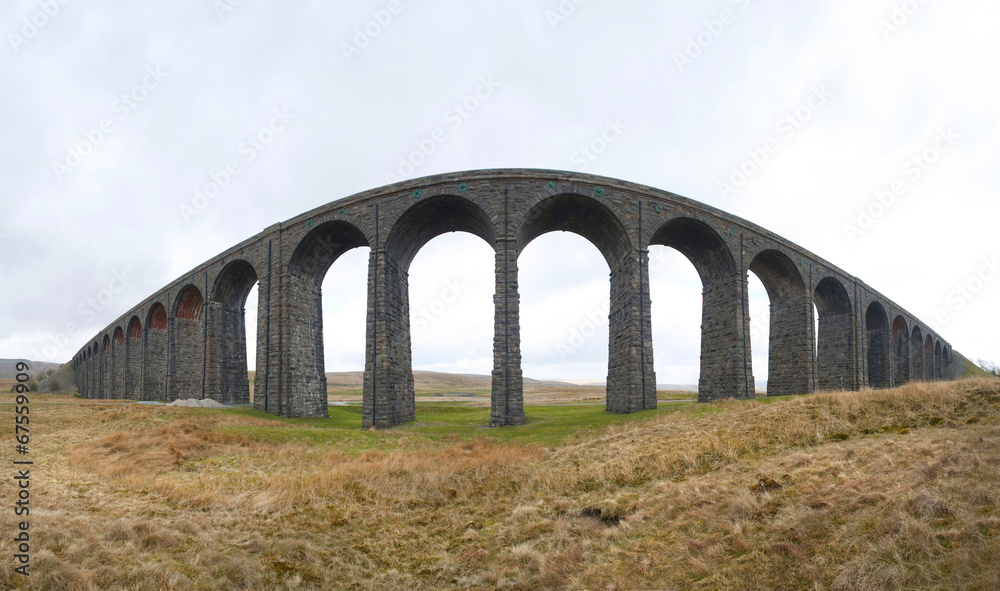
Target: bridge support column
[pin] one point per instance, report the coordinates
(267, 382)
(388, 398)
(928, 363)
(916, 363)
(631, 385)
(185, 357)
(726, 367)
(133, 368)
(295, 371)
(113, 363)
(790, 350)
(507, 392)
(103, 377)
(879, 358)
(835, 359)
(226, 377)
(154, 365)
(901, 363)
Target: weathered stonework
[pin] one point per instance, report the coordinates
(188, 340)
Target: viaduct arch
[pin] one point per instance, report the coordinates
(188, 340)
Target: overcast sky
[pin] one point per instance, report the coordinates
(114, 115)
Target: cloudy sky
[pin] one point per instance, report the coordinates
(865, 131)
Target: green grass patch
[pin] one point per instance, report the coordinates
(440, 422)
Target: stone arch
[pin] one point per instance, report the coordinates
(790, 357)
(189, 303)
(835, 359)
(156, 319)
(186, 346)
(701, 244)
(726, 369)
(901, 351)
(134, 327)
(917, 367)
(323, 245)
(879, 346)
(154, 354)
(581, 215)
(431, 217)
(226, 364)
(310, 260)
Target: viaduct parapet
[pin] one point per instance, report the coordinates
(188, 340)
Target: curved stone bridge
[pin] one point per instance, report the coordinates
(188, 339)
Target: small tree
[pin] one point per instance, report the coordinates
(989, 366)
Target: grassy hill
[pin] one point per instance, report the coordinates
(971, 370)
(8, 367)
(883, 489)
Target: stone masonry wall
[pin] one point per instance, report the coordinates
(507, 401)
(790, 362)
(190, 359)
(835, 353)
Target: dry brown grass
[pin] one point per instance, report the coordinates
(868, 490)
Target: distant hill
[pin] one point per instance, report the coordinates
(8, 367)
(63, 380)
(431, 379)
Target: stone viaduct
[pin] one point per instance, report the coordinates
(188, 339)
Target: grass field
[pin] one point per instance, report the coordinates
(881, 489)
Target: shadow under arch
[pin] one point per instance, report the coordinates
(309, 263)
(581, 215)
(835, 357)
(879, 346)
(790, 349)
(226, 366)
(431, 217)
(725, 367)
